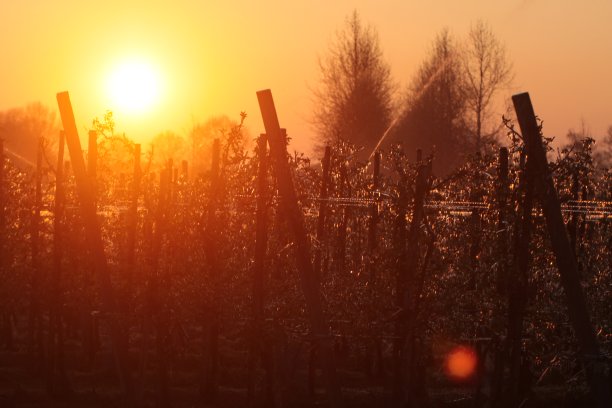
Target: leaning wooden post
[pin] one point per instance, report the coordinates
(295, 220)
(593, 360)
(93, 235)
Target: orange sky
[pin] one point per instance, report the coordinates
(214, 55)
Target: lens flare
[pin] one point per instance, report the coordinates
(461, 362)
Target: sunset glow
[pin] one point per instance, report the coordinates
(350, 204)
(134, 87)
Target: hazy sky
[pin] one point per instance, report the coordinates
(213, 56)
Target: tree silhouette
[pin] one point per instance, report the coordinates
(486, 70)
(434, 106)
(354, 101)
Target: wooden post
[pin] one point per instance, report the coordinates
(592, 358)
(133, 223)
(92, 162)
(92, 340)
(474, 230)
(258, 347)
(149, 254)
(399, 249)
(322, 211)
(518, 283)
(295, 219)
(374, 358)
(35, 319)
(502, 222)
(340, 261)
(372, 241)
(210, 387)
(501, 277)
(94, 235)
(2, 206)
(6, 333)
(158, 288)
(411, 285)
(572, 226)
(57, 381)
(261, 232)
(321, 238)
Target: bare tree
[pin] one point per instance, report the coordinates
(433, 106)
(486, 70)
(354, 101)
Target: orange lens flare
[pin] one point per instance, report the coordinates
(461, 362)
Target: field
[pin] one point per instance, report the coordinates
(269, 279)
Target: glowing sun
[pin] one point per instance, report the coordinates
(134, 86)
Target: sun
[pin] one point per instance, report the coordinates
(134, 86)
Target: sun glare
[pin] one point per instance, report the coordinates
(134, 86)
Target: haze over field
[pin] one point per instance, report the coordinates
(342, 204)
(211, 57)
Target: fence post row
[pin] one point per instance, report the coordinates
(411, 243)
